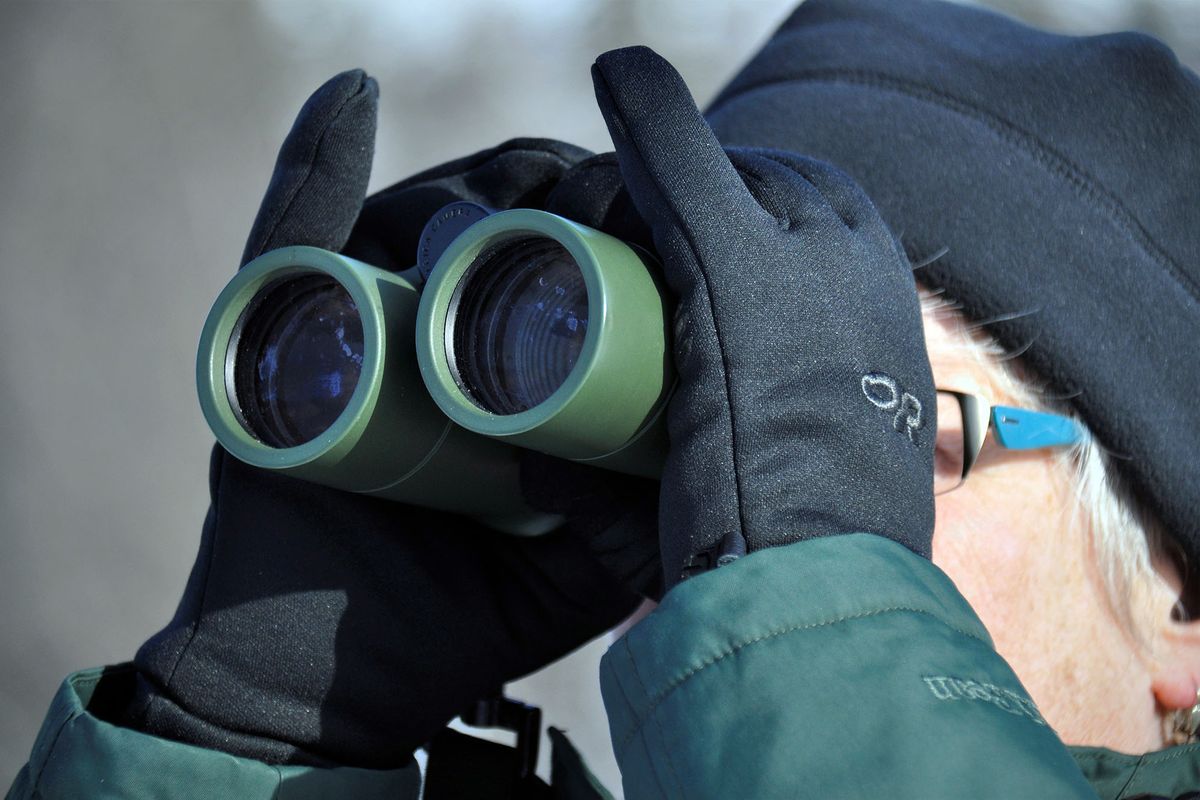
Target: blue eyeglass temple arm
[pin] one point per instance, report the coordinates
(1021, 429)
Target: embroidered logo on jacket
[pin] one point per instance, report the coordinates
(946, 688)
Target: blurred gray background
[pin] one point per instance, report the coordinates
(136, 138)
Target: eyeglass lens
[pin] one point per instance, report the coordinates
(949, 448)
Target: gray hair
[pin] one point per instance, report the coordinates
(1126, 540)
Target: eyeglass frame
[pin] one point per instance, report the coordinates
(1041, 429)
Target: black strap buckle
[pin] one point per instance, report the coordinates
(511, 715)
(463, 766)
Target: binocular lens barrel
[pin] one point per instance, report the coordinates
(518, 324)
(550, 335)
(306, 367)
(531, 331)
(297, 356)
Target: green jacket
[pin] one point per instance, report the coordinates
(840, 667)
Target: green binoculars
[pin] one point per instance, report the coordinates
(516, 329)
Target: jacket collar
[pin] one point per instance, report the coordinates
(1163, 773)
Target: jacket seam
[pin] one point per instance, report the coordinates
(1135, 772)
(657, 724)
(733, 649)
(278, 783)
(34, 785)
(71, 715)
(1171, 756)
(645, 744)
(1097, 757)
(1129, 781)
(650, 765)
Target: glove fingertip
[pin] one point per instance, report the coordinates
(321, 174)
(634, 60)
(625, 79)
(675, 167)
(352, 92)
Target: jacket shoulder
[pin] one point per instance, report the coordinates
(843, 666)
(78, 753)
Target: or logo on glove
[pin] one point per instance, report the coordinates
(886, 394)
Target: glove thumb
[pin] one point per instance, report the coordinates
(678, 174)
(321, 174)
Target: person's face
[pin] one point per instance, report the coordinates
(1008, 540)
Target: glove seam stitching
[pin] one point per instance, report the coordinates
(687, 234)
(311, 157)
(737, 647)
(212, 554)
(763, 184)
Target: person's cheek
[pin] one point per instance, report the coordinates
(970, 546)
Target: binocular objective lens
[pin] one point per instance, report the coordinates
(297, 357)
(518, 323)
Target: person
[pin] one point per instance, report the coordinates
(1041, 188)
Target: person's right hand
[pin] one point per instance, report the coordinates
(805, 404)
(322, 627)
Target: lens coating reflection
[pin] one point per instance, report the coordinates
(518, 324)
(298, 357)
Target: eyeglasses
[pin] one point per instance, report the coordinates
(963, 421)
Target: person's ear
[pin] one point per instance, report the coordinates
(1175, 676)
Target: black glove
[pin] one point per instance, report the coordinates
(805, 404)
(322, 627)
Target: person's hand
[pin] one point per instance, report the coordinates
(322, 627)
(805, 404)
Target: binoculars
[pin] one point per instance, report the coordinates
(514, 329)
